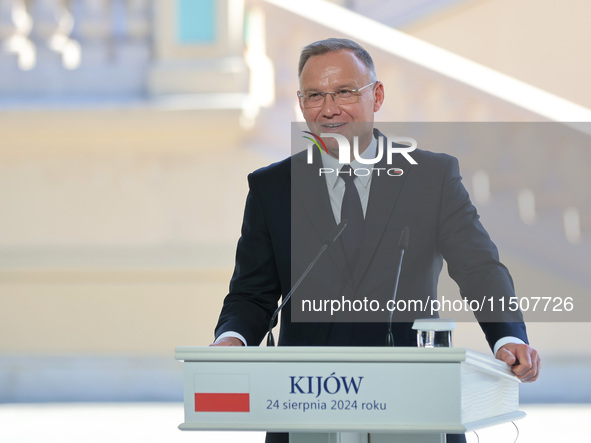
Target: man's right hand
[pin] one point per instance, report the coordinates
(228, 341)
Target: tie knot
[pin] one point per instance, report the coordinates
(347, 174)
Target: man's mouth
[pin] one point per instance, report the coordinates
(332, 125)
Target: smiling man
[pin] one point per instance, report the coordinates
(290, 209)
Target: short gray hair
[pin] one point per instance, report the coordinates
(334, 45)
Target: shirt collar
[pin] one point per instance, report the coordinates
(328, 161)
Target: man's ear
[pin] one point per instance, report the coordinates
(378, 97)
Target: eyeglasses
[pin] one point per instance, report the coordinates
(342, 96)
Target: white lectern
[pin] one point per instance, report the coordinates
(340, 394)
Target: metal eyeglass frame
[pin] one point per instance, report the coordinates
(335, 94)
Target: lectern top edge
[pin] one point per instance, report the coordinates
(366, 354)
(318, 354)
(321, 354)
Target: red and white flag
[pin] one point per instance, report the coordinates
(222, 393)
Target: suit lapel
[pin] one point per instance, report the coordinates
(383, 197)
(310, 195)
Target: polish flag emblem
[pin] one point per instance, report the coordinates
(222, 393)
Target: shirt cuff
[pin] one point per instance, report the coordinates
(231, 334)
(503, 341)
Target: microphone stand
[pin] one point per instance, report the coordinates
(403, 244)
(332, 237)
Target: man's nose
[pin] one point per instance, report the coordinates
(330, 106)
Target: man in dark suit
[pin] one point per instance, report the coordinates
(291, 208)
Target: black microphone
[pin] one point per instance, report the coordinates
(403, 245)
(328, 241)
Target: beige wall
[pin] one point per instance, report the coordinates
(127, 312)
(117, 229)
(542, 42)
(121, 177)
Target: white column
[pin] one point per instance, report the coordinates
(15, 26)
(52, 26)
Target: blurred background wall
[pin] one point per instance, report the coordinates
(118, 222)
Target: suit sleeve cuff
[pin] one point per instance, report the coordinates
(235, 335)
(505, 340)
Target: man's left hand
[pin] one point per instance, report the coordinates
(524, 361)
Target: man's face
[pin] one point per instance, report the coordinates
(333, 72)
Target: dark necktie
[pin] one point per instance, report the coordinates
(351, 211)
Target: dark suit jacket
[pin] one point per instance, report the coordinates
(288, 215)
